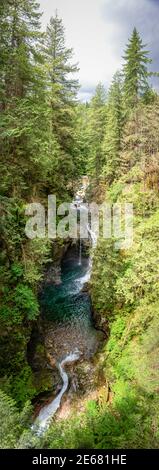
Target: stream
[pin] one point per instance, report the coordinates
(70, 334)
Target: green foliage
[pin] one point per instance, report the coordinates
(140, 144)
(106, 268)
(97, 112)
(82, 147)
(47, 140)
(113, 132)
(26, 301)
(130, 423)
(22, 386)
(15, 431)
(21, 269)
(38, 147)
(125, 292)
(130, 356)
(62, 98)
(135, 70)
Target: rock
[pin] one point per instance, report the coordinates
(53, 275)
(51, 360)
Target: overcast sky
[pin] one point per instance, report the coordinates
(98, 31)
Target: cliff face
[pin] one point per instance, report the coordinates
(23, 270)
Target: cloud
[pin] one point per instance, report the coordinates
(98, 31)
(123, 16)
(86, 92)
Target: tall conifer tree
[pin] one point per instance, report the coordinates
(135, 70)
(62, 94)
(113, 133)
(25, 138)
(96, 128)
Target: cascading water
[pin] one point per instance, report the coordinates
(93, 236)
(80, 252)
(48, 411)
(68, 312)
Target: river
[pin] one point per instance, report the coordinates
(70, 333)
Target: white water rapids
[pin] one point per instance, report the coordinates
(48, 411)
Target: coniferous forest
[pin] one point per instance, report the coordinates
(49, 141)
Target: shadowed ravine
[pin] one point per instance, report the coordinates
(70, 333)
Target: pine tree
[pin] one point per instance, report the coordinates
(62, 95)
(20, 36)
(82, 141)
(96, 127)
(23, 130)
(135, 70)
(112, 141)
(25, 124)
(15, 431)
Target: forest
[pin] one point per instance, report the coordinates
(49, 140)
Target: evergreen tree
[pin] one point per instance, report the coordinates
(27, 152)
(20, 21)
(82, 140)
(140, 143)
(15, 432)
(96, 128)
(25, 126)
(135, 70)
(62, 95)
(112, 141)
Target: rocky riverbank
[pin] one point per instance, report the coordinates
(66, 324)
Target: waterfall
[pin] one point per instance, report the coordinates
(93, 236)
(86, 278)
(80, 253)
(46, 414)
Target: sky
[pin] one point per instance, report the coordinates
(98, 31)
